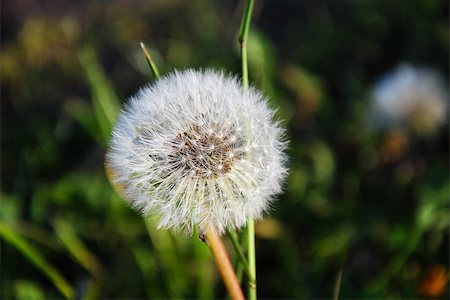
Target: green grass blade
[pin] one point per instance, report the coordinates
(27, 290)
(84, 114)
(240, 254)
(150, 61)
(172, 267)
(204, 270)
(36, 258)
(146, 262)
(105, 101)
(76, 247)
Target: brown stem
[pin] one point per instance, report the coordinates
(223, 263)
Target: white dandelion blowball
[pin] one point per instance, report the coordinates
(198, 150)
(410, 97)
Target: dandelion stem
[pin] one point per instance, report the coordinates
(223, 263)
(251, 259)
(150, 61)
(243, 37)
(238, 249)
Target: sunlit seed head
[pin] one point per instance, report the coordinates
(192, 142)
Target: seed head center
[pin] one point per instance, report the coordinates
(203, 152)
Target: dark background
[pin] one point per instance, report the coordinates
(370, 204)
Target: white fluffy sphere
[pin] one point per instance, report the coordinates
(198, 149)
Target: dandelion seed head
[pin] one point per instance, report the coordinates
(412, 98)
(192, 142)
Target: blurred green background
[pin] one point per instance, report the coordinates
(369, 204)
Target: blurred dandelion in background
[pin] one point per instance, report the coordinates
(411, 98)
(199, 150)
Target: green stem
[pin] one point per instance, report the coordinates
(251, 259)
(243, 37)
(150, 61)
(239, 271)
(234, 240)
